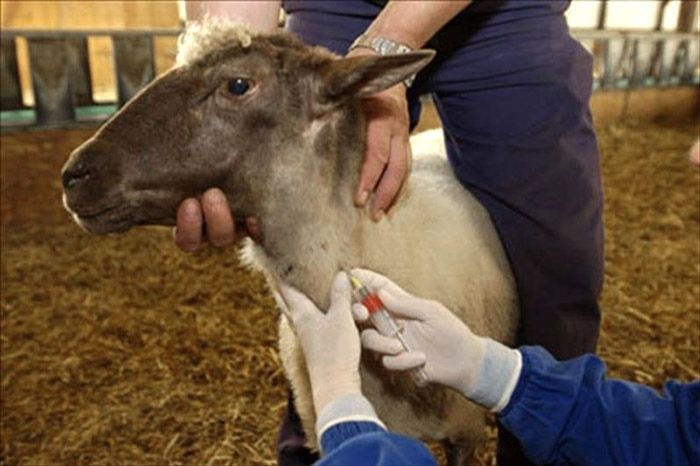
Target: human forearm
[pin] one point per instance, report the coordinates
(387, 160)
(414, 23)
(569, 412)
(259, 16)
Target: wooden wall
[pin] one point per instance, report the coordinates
(88, 14)
(92, 14)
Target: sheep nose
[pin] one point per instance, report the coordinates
(74, 175)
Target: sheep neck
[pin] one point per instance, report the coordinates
(316, 231)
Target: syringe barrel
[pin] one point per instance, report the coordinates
(382, 321)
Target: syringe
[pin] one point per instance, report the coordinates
(383, 322)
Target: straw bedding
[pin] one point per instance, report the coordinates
(123, 350)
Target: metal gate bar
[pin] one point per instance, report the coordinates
(62, 85)
(635, 59)
(10, 89)
(134, 64)
(50, 71)
(60, 72)
(79, 70)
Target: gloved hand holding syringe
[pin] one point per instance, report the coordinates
(383, 322)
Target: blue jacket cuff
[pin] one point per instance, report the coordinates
(345, 417)
(497, 377)
(339, 433)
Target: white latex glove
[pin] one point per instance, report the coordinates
(480, 368)
(330, 341)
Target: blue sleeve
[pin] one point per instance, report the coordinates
(367, 444)
(568, 412)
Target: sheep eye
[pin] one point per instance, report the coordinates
(238, 86)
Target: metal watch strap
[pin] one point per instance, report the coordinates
(383, 46)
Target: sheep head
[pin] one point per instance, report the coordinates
(265, 118)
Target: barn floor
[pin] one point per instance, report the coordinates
(123, 350)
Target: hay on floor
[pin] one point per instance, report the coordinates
(123, 350)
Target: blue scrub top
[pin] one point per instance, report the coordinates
(562, 413)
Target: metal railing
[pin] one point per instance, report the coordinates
(63, 89)
(60, 74)
(642, 59)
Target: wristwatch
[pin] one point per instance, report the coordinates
(383, 46)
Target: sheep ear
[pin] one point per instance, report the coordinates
(365, 75)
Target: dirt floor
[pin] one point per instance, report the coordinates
(123, 350)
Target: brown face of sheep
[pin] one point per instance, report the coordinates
(226, 120)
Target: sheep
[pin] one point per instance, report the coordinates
(277, 125)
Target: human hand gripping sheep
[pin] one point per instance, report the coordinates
(386, 166)
(331, 345)
(561, 412)
(330, 341)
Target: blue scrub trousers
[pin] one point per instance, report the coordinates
(512, 89)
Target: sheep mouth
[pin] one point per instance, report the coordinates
(113, 219)
(95, 213)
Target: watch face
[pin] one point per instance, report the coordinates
(385, 46)
(381, 45)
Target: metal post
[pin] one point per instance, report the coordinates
(643, 62)
(625, 70)
(687, 59)
(602, 14)
(658, 67)
(50, 80)
(693, 55)
(133, 60)
(613, 56)
(79, 70)
(10, 89)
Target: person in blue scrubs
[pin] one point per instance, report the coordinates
(560, 412)
(511, 87)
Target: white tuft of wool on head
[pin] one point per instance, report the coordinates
(202, 37)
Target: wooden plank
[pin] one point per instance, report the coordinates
(66, 14)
